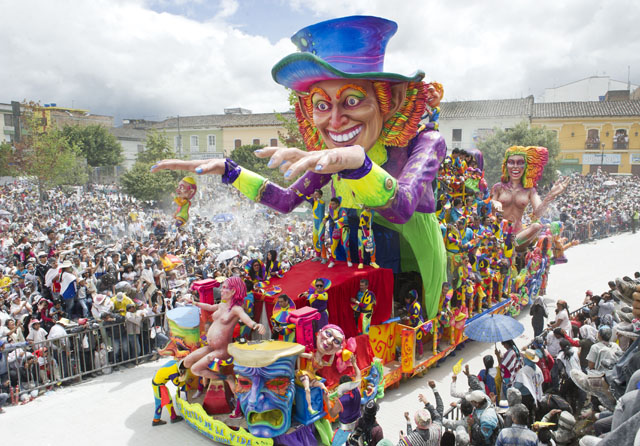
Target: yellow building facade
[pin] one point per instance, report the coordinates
(594, 135)
(218, 135)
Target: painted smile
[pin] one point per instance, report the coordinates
(516, 171)
(345, 136)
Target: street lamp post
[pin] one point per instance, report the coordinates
(601, 156)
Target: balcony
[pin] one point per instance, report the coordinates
(621, 143)
(592, 144)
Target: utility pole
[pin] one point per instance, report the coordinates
(179, 139)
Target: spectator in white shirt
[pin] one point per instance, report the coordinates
(562, 317)
(36, 334)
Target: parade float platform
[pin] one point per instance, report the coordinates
(345, 284)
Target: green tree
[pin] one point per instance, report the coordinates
(98, 145)
(139, 182)
(244, 156)
(6, 160)
(493, 149)
(291, 137)
(45, 153)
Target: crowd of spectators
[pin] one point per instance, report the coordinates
(85, 277)
(598, 205)
(578, 382)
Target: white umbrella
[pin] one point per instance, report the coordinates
(5, 213)
(609, 183)
(226, 255)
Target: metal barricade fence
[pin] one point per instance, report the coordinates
(82, 352)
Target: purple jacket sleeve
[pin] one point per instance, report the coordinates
(414, 190)
(285, 200)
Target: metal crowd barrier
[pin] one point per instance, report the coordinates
(600, 228)
(83, 352)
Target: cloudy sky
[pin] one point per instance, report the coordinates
(157, 58)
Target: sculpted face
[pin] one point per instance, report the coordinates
(346, 112)
(515, 166)
(185, 190)
(329, 341)
(432, 96)
(266, 396)
(226, 292)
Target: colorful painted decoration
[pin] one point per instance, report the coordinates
(184, 193)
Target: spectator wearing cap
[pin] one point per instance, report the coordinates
(529, 379)
(101, 305)
(120, 302)
(504, 408)
(603, 354)
(68, 286)
(426, 433)
(20, 308)
(56, 312)
(588, 295)
(485, 419)
(30, 276)
(428, 421)
(518, 434)
(37, 334)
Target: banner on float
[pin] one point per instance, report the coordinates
(216, 430)
(597, 159)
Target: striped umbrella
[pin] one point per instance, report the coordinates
(494, 328)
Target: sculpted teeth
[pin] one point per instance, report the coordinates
(342, 137)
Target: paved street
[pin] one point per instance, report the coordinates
(117, 409)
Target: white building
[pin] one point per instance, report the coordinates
(464, 123)
(6, 123)
(132, 141)
(593, 88)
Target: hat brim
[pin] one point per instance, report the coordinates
(299, 71)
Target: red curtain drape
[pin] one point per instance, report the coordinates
(345, 284)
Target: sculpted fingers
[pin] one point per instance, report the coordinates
(280, 156)
(173, 164)
(300, 166)
(215, 166)
(266, 152)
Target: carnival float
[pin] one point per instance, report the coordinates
(291, 357)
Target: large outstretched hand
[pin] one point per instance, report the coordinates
(292, 162)
(559, 187)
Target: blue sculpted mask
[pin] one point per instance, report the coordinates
(266, 396)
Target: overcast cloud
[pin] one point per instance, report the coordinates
(157, 58)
